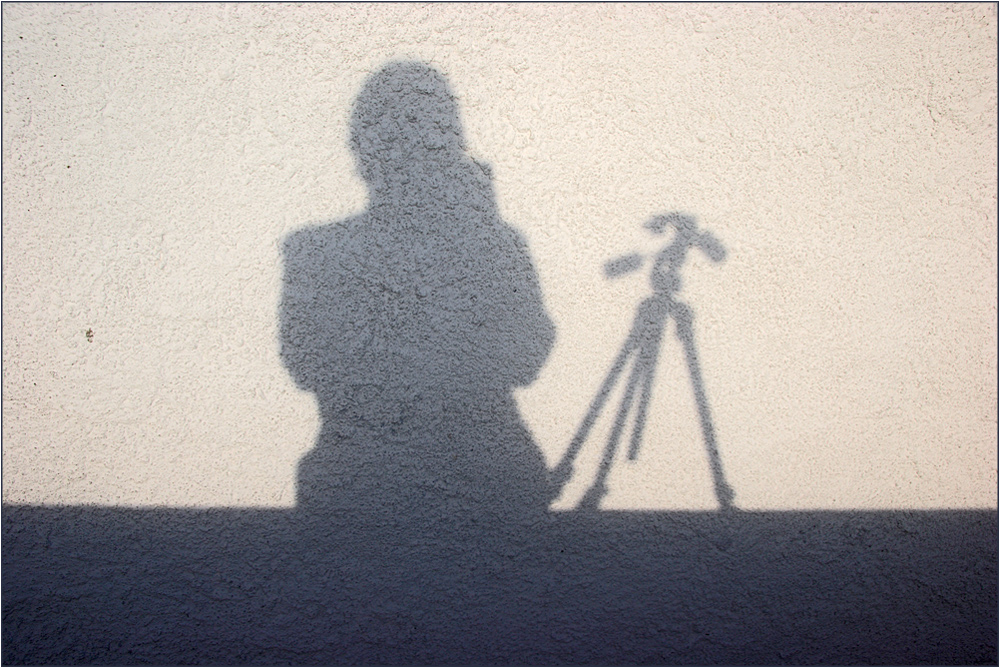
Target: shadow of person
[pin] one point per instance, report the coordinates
(412, 322)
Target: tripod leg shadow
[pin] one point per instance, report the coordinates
(644, 343)
(724, 494)
(650, 323)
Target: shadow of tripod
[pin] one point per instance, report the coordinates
(643, 344)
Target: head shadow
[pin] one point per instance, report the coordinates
(413, 321)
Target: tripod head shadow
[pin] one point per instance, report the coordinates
(665, 273)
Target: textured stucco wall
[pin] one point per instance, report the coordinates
(157, 157)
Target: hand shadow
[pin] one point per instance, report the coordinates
(412, 322)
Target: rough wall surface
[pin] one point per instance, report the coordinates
(619, 258)
(155, 158)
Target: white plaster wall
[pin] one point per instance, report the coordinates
(155, 156)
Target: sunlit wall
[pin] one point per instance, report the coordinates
(156, 156)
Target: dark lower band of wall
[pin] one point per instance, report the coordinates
(93, 585)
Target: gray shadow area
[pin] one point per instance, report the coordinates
(412, 322)
(114, 586)
(421, 533)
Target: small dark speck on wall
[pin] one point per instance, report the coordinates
(90, 336)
